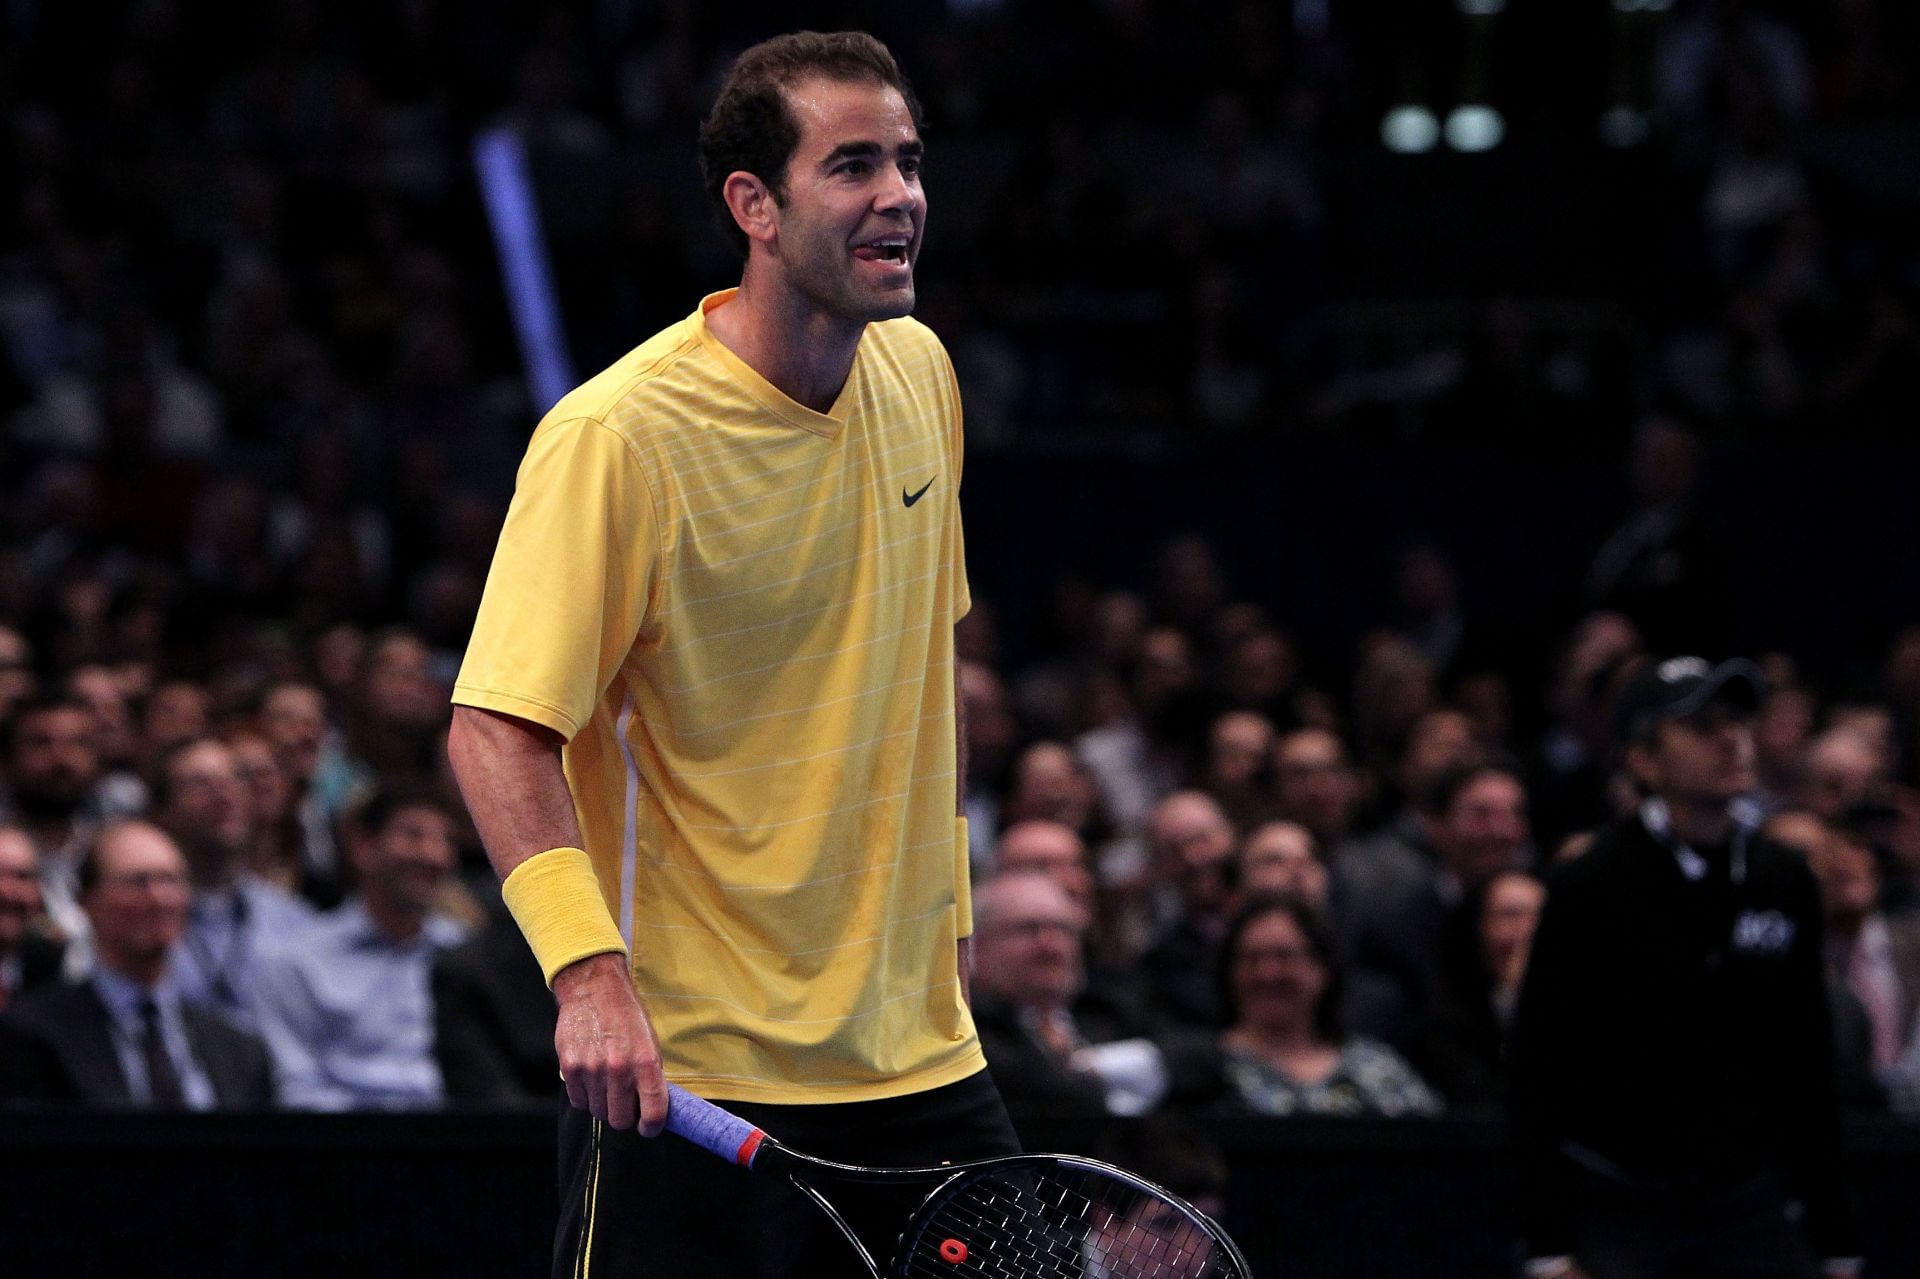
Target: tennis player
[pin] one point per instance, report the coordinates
(707, 724)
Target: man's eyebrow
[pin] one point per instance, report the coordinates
(867, 150)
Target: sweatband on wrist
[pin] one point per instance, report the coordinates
(555, 898)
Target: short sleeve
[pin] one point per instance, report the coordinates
(572, 577)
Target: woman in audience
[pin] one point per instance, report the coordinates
(1283, 1052)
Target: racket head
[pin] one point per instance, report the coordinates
(1060, 1217)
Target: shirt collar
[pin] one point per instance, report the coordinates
(123, 995)
(358, 930)
(1658, 819)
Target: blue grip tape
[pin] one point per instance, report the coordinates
(714, 1130)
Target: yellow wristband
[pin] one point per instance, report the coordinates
(555, 898)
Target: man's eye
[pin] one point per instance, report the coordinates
(855, 168)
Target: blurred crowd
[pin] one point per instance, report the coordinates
(259, 415)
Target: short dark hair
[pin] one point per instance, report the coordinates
(391, 797)
(1451, 783)
(752, 130)
(43, 704)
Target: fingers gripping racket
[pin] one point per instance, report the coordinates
(1019, 1217)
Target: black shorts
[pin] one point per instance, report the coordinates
(663, 1209)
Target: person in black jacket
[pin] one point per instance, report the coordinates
(1673, 1099)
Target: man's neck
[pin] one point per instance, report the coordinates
(788, 340)
(397, 922)
(1700, 824)
(144, 971)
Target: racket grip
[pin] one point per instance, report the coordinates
(719, 1132)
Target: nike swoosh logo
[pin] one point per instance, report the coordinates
(911, 498)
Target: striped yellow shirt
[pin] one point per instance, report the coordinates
(739, 613)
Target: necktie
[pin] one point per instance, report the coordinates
(163, 1081)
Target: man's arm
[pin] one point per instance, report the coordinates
(510, 775)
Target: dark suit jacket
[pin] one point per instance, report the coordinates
(40, 959)
(56, 1045)
(493, 1020)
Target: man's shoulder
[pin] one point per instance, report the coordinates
(905, 335)
(627, 393)
(56, 1007)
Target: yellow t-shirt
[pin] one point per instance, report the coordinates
(739, 613)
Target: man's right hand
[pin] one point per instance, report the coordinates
(609, 1057)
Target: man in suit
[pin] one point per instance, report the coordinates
(493, 1019)
(124, 1036)
(27, 957)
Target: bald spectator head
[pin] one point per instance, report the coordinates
(1314, 784)
(19, 887)
(1477, 822)
(1027, 939)
(1192, 844)
(1050, 849)
(1842, 770)
(204, 804)
(1281, 857)
(1239, 749)
(134, 888)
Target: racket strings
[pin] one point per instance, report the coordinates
(1062, 1223)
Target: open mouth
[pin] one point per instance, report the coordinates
(894, 251)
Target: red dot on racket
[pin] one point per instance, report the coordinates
(953, 1251)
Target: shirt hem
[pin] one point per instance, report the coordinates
(789, 1093)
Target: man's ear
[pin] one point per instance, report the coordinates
(752, 203)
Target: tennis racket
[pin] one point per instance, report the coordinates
(1018, 1217)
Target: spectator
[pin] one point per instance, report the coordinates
(1192, 845)
(1441, 742)
(493, 1020)
(1568, 782)
(1050, 849)
(51, 771)
(345, 1003)
(1239, 758)
(293, 717)
(1876, 958)
(1673, 1087)
(1314, 784)
(1282, 857)
(1137, 760)
(1285, 1050)
(1055, 1046)
(27, 957)
(125, 1036)
(207, 809)
(1463, 1045)
(1841, 773)
(17, 681)
(991, 732)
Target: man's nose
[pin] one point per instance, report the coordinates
(896, 192)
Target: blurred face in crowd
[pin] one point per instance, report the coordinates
(1278, 979)
(1049, 783)
(1026, 941)
(1598, 650)
(1440, 742)
(16, 670)
(399, 685)
(403, 865)
(1192, 843)
(1487, 702)
(1800, 831)
(266, 781)
(1841, 770)
(1484, 829)
(1050, 849)
(209, 810)
(1780, 734)
(19, 886)
(114, 736)
(1507, 924)
(294, 718)
(338, 656)
(990, 725)
(1280, 857)
(1259, 668)
(1849, 882)
(1165, 667)
(176, 712)
(138, 901)
(1119, 621)
(1238, 747)
(1705, 760)
(1313, 784)
(53, 764)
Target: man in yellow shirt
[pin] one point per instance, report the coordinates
(706, 723)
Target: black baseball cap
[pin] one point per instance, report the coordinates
(1683, 686)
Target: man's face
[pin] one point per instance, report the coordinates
(294, 719)
(54, 762)
(114, 736)
(1237, 748)
(208, 806)
(1279, 858)
(1705, 759)
(19, 886)
(1849, 882)
(1027, 944)
(850, 229)
(1050, 849)
(1192, 844)
(399, 686)
(1313, 783)
(138, 904)
(1484, 830)
(176, 712)
(406, 862)
(1506, 929)
(16, 669)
